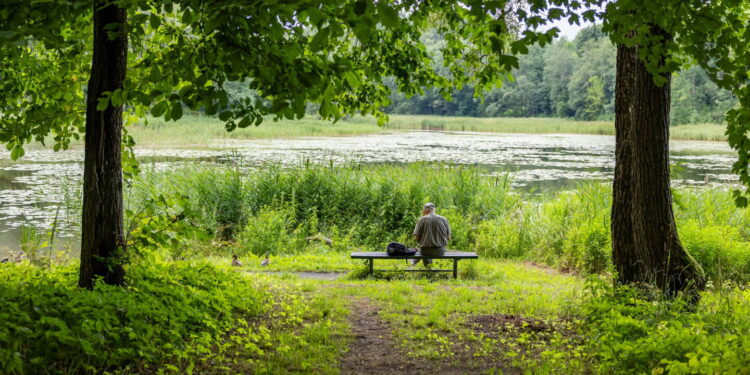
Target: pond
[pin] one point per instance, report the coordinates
(45, 184)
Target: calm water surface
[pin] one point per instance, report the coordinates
(31, 190)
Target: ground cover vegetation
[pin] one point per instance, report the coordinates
(189, 317)
(499, 317)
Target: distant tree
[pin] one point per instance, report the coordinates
(594, 101)
(697, 99)
(567, 67)
(598, 60)
(560, 63)
(587, 37)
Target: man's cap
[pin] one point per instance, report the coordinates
(429, 205)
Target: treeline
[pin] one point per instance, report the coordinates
(569, 79)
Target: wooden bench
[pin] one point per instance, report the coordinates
(455, 255)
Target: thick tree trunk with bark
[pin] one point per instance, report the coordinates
(645, 244)
(622, 189)
(102, 227)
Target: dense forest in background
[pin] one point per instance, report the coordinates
(569, 79)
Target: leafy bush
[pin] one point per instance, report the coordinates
(501, 238)
(167, 314)
(587, 248)
(719, 249)
(270, 231)
(633, 331)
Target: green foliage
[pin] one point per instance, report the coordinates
(158, 222)
(270, 231)
(210, 198)
(594, 100)
(634, 331)
(697, 99)
(721, 247)
(43, 78)
(335, 54)
(168, 314)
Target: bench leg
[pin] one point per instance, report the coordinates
(370, 261)
(455, 268)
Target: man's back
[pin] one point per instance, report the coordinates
(432, 230)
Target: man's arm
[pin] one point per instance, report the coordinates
(418, 230)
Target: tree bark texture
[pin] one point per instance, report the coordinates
(622, 188)
(645, 245)
(102, 220)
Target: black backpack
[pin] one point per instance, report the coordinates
(397, 249)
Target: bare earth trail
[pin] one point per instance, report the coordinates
(373, 350)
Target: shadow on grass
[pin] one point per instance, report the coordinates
(467, 271)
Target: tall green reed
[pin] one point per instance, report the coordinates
(273, 208)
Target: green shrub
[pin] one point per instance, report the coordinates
(500, 238)
(631, 331)
(719, 249)
(462, 229)
(587, 248)
(270, 231)
(167, 314)
(217, 196)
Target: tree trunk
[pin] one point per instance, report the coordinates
(622, 188)
(646, 247)
(102, 227)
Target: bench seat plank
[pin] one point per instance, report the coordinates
(384, 255)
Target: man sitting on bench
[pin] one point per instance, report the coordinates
(432, 232)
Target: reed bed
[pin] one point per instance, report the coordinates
(274, 210)
(200, 130)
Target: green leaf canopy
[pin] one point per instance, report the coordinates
(182, 52)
